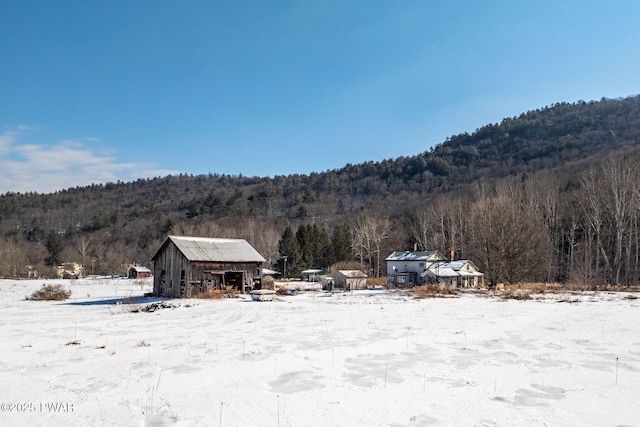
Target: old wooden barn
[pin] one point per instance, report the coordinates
(184, 267)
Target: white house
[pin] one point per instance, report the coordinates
(405, 267)
(460, 273)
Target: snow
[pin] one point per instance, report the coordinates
(315, 359)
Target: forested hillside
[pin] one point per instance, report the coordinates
(549, 195)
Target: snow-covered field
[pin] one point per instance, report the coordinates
(363, 358)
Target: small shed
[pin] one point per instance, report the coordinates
(350, 280)
(185, 267)
(312, 274)
(138, 272)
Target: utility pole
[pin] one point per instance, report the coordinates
(284, 274)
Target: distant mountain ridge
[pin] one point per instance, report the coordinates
(125, 221)
(545, 138)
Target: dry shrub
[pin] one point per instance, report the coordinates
(572, 286)
(376, 281)
(569, 300)
(131, 308)
(227, 292)
(231, 291)
(536, 288)
(212, 294)
(282, 291)
(515, 294)
(268, 282)
(578, 287)
(130, 305)
(540, 288)
(50, 293)
(432, 291)
(531, 288)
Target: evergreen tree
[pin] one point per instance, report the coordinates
(321, 245)
(53, 243)
(288, 247)
(341, 249)
(304, 238)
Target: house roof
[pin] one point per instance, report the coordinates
(458, 264)
(442, 272)
(214, 249)
(269, 272)
(313, 271)
(416, 256)
(353, 274)
(452, 269)
(140, 269)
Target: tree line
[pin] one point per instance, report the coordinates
(549, 227)
(545, 178)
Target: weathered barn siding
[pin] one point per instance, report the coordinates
(169, 270)
(176, 276)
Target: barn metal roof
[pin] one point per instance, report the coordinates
(214, 249)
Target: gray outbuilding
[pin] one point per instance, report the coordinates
(350, 280)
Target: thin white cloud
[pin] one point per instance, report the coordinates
(6, 141)
(66, 164)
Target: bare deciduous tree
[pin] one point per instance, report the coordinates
(507, 240)
(369, 232)
(82, 245)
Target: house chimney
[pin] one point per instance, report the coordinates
(415, 246)
(451, 255)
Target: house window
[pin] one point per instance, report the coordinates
(421, 265)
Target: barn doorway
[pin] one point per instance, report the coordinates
(235, 279)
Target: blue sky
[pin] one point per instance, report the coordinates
(98, 91)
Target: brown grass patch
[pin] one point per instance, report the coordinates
(517, 294)
(432, 291)
(212, 294)
(541, 288)
(227, 292)
(578, 287)
(532, 288)
(376, 281)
